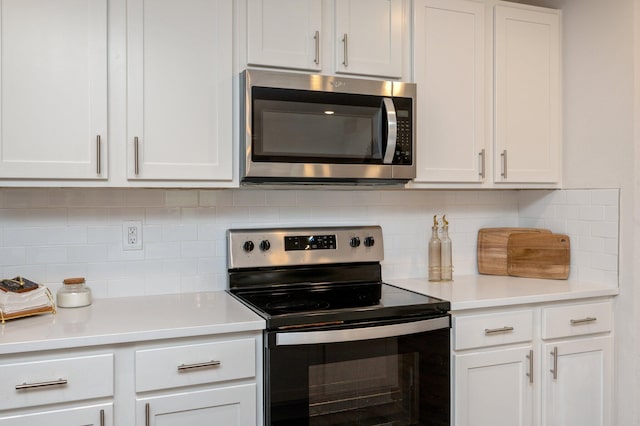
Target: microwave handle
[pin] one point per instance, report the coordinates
(392, 130)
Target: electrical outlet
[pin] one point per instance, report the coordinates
(132, 235)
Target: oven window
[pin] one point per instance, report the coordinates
(399, 381)
(378, 390)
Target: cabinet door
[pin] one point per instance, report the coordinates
(230, 406)
(53, 119)
(368, 37)
(527, 95)
(284, 33)
(581, 391)
(493, 388)
(180, 89)
(449, 70)
(95, 415)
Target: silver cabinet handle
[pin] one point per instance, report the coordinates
(554, 369)
(316, 38)
(101, 417)
(345, 41)
(98, 154)
(136, 163)
(481, 154)
(488, 331)
(59, 382)
(530, 373)
(183, 367)
(582, 320)
(504, 164)
(147, 414)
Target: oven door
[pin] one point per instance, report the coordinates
(394, 374)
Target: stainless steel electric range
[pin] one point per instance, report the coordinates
(341, 346)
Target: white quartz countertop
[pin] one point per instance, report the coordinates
(130, 319)
(486, 291)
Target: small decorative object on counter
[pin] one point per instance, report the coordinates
(435, 273)
(20, 297)
(445, 259)
(74, 293)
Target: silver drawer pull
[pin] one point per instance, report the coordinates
(582, 320)
(488, 331)
(184, 367)
(59, 382)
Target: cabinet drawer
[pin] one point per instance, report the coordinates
(186, 365)
(576, 320)
(52, 381)
(475, 331)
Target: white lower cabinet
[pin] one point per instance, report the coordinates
(187, 366)
(493, 388)
(555, 370)
(73, 389)
(196, 381)
(93, 415)
(229, 406)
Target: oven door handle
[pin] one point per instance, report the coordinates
(364, 333)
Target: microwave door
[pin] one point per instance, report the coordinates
(389, 113)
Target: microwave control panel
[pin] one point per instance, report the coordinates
(404, 138)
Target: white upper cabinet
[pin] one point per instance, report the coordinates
(284, 33)
(53, 119)
(449, 61)
(465, 51)
(179, 96)
(527, 95)
(359, 37)
(368, 37)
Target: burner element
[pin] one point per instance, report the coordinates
(296, 305)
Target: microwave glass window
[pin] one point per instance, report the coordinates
(297, 131)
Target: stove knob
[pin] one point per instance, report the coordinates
(354, 242)
(369, 242)
(265, 245)
(248, 246)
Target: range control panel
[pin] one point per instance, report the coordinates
(252, 248)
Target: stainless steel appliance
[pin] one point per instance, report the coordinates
(341, 346)
(301, 128)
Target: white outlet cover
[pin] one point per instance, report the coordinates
(137, 224)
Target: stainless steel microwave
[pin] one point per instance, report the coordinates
(301, 128)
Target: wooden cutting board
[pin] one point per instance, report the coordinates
(538, 255)
(492, 248)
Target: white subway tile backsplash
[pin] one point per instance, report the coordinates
(66, 235)
(180, 198)
(44, 255)
(162, 215)
(11, 256)
(180, 232)
(163, 250)
(604, 229)
(104, 234)
(12, 237)
(593, 232)
(87, 253)
(52, 234)
(195, 249)
(144, 197)
(249, 197)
